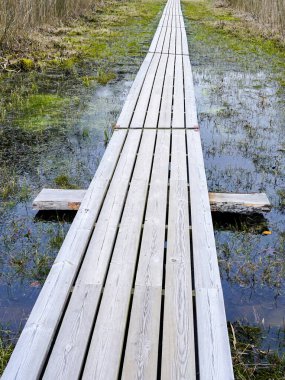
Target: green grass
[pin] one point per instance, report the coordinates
(40, 111)
(103, 76)
(219, 27)
(63, 181)
(6, 349)
(117, 33)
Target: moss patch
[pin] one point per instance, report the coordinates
(64, 182)
(41, 111)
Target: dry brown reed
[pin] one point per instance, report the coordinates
(269, 12)
(17, 16)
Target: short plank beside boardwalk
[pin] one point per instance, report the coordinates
(135, 291)
(70, 200)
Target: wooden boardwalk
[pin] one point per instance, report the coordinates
(135, 290)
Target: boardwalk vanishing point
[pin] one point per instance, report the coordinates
(135, 291)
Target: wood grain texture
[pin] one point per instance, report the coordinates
(103, 360)
(143, 100)
(239, 203)
(191, 119)
(67, 356)
(206, 269)
(152, 115)
(178, 97)
(40, 328)
(58, 199)
(167, 95)
(178, 350)
(130, 103)
(143, 336)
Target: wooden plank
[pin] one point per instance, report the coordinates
(181, 21)
(155, 99)
(143, 101)
(190, 102)
(178, 36)
(172, 45)
(165, 48)
(130, 103)
(104, 356)
(212, 335)
(206, 269)
(178, 348)
(185, 49)
(143, 336)
(68, 353)
(160, 42)
(41, 326)
(167, 95)
(58, 199)
(239, 203)
(178, 100)
(155, 39)
(178, 41)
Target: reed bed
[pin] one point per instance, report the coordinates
(269, 12)
(18, 16)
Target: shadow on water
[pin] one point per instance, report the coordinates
(226, 221)
(55, 216)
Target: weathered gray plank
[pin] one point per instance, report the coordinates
(143, 337)
(178, 349)
(155, 99)
(67, 356)
(166, 43)
(58, 199)
(130, 103)
(30, 353)
(207, 276)
(190, 102)
(143, 101)
(172, 45)
(178, 99)
(184, 42)
(103, 360)
(239, 203)
(167, 95)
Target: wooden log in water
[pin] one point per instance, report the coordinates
(58, 199)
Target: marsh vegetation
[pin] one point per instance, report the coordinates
(271, 13)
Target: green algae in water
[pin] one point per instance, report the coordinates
(63, 181)
(41, 111)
